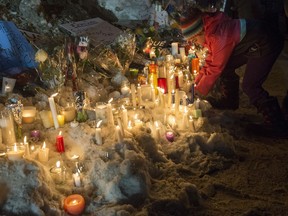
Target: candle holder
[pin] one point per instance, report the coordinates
(58, 173)
(100, 111)
(7, 127)
(15, 152)
(74, 204)
(28, 114)
(35, 135)
(170, 136)
(69, 113)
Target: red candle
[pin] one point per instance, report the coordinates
(74, 204)
(60, 143)
(162, 83)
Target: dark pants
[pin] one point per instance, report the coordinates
(259, 50)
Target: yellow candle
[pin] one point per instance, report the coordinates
(69, 113)
(61, 120)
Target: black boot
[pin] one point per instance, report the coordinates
(274, 124)
(227, 95)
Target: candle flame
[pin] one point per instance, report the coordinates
(60, 133)
(54, 95)
(156, 124)
(99, 123)
(58, 164)
(123, 107)
(44, 145)
(191, 118)
(74, 202)
(110, 100)
(75, 157)
(136, 116)
(25, 140)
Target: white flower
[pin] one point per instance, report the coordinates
(41, 55)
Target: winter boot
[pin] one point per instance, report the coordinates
(274, 124)
(227, 96)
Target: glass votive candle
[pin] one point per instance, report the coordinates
(15, 152)
(170, 136)
(28, 114)
(69, 113)
(58, 173)
(35, 135)
(100, 111)
(74, 204)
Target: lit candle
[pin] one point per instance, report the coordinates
(124, 117)
(180, 79)
(98, 133)
(157, 131)
(58, 173)
(137, 122)
(129, 127)
(35, 134)
(27, 148)
(139, 94)
(53, 110)
(77, 179)
(133, 95)
(185, 119)
(119, 134)
(170, 136)
(177, 101)
(28, 114)
(191, 124)
(15, 153)
(69, 113)
(174, 47)
(74, 204)
(61, 120)
(43, 153)
(110, 117)
(60, 143)
(125, 90)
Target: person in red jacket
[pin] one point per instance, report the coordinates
(232, 43)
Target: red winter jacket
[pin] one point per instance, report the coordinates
(222, 34)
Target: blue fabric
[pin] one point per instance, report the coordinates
(16, 53)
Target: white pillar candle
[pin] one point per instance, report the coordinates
(119, 134)
(180, 79)
(110, 118)
(182, 53)
(125, 90)
(77, 179)
(43, 154)
(139, 95)
(133, 95)
(157, 131)
(177, 101)
(191, 124)
(174, 48)
(46, 117)
(120, 125)
(53, 110)
(98, 135)
(27, 147)
(124, 118)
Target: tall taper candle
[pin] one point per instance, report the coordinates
(53, 110)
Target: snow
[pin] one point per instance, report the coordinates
(218, 169)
